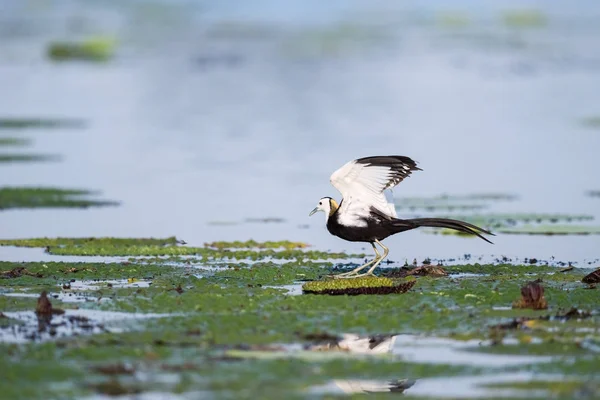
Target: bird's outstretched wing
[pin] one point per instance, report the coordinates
(362, 184)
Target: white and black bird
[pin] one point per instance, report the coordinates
(365, 214)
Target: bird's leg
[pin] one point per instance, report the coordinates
(386, 251)
(355, 271)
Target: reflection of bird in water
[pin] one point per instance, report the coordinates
(374, 386)
(376, 344)
(365, 215)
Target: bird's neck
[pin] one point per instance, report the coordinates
(333, 206)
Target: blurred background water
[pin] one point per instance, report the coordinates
(213, 112)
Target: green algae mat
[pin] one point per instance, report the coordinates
(160, 318)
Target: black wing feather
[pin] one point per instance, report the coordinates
(401, 166)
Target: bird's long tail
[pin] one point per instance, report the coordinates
(461, 226)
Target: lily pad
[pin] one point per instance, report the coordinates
(47, 197)
(357, 286)
(557, 229)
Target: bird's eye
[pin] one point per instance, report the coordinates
(320, 203)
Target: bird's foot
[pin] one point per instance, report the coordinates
(363, 275)
(350, 275)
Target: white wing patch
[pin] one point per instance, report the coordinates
(362, 187)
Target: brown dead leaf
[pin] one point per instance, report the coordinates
(114, 369)
(532, 296)
(178, 289)
(18, 272)
(592, 277)
(115, 388)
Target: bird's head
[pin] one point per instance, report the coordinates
(327, 205)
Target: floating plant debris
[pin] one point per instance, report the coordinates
(95, 49)
(91, 241)
(47, 197)
(114, 369)
(591, 122)
(26, 158)
(524, 18)
(474, 201)
(266, 220)
(551, 230)
(592, 277)
(12, 141)
(18, 272)
(285, 244)
(114, 387)
(532, 296)
(526, 322)
(39, 123)
(593, 193)
(284, 250)
(453, 19)
(504, 219)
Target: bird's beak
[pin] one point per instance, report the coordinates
(313, 211)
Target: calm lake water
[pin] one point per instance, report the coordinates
(223, 111)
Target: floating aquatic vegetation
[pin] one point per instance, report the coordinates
(266, 220)
(556, 229)
(472, 201)
(532, 296)
(530, 322)
(286, 244)
(524, 18)
(343, 38)
(39, 123)
(591, 122)
(423, 270)
(358, 286)
(453, 19)
(553, 388)
(284, 250)
(95, 49)
(12, 141)
(48, 197)
(96, 241)
(222, 223)
(593, 193)
(437, 205)
(18, 272)
(27, 158)
(496, 220)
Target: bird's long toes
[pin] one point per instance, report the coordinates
(345, 275)
(363, 275)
